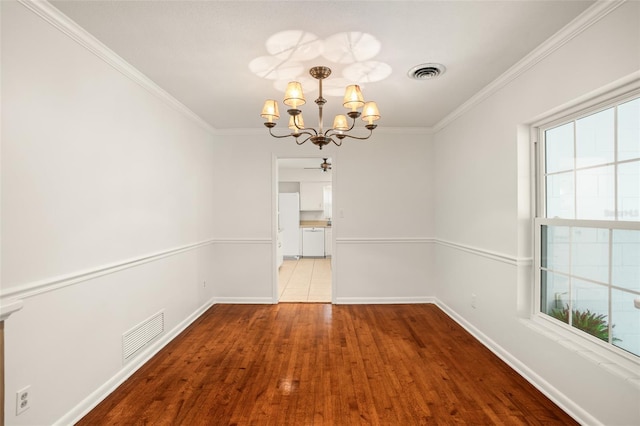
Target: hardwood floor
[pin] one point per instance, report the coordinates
(322, 364)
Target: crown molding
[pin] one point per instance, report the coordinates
(64, 24)
(585, 20)
(67, 26)
(70, 28)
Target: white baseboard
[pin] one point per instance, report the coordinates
(558, 398)
(93, 399)
(382, 300)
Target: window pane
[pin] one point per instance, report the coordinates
(629, 130)
(590, 277)
(590, 308)
(590, 253)
(560, 196)
(554, 295)
(594, 139)
(595, 194)
(559, 148)
(625, 319)
(629, 191)
(555, 248)
(625, 270)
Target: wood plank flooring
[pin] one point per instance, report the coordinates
(322, 364)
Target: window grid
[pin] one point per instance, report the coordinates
(615, 177)
(609, 285)
(575, 169)
(610, 282)
(573, 222)
(579, 169)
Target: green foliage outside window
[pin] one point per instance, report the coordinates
(587, 321)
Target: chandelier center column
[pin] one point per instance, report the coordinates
(320, 73)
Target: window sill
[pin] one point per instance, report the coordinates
(620, 364)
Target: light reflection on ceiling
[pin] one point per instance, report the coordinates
(354, 51)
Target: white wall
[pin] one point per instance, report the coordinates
(480, 192)
(108, 193)
(383, 220)
(106, 212)
(288, 187)
(382, 186)
(304, 175)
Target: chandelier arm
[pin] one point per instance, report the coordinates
(290, 135)
(334, 132)
(305, 133)
(339, 143)
(357, 137)
(295, 123)
(300, 143)
(279, 136)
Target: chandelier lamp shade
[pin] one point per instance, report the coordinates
(294, 98)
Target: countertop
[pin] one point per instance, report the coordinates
(314, 224)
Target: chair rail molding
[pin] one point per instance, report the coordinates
(55, 283)
(394, 240)
(242, 240)
(9, 307)
(489, 254)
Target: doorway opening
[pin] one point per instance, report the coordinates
(305, 234)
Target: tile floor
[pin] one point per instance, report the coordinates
(305, 280)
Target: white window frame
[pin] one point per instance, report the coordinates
(584, 108)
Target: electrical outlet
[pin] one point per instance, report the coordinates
(204, 283)
(473, 300)
(23, 400)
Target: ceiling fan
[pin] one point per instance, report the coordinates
(324, 166)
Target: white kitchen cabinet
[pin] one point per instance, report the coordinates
(312, 242)
(312, 195)
(328, 237)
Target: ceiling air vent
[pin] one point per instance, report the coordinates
(426, 71)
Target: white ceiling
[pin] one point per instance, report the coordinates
(201, 51)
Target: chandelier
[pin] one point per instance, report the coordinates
(293, 97)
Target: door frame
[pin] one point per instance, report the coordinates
(274, 220)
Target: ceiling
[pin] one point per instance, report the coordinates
(222, 59)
